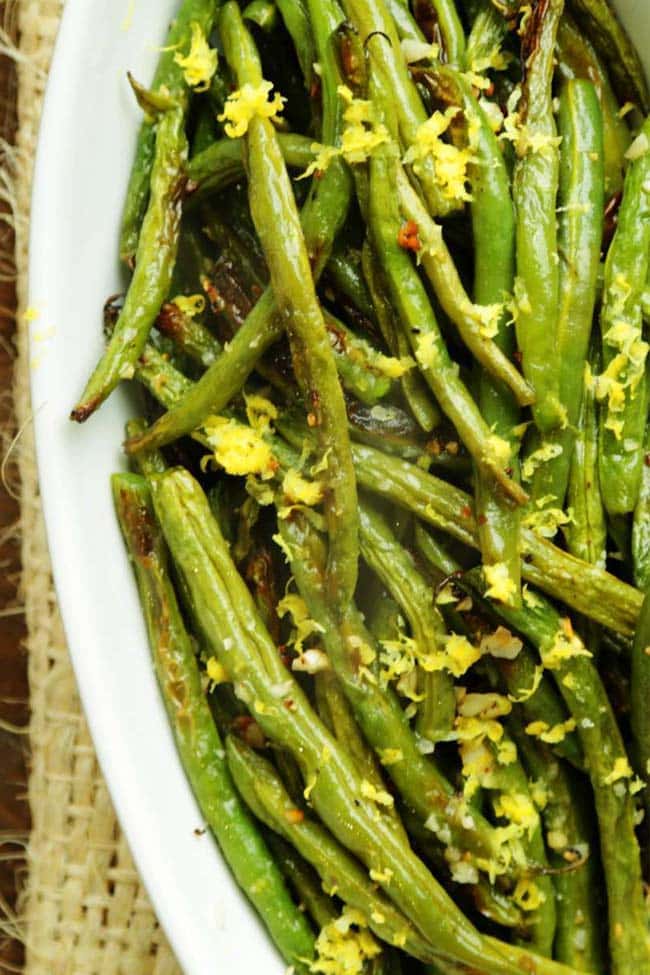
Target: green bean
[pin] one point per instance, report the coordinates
(451, 30)
(641, 525)
(417, 318)
(639, 690)
(493, 226)
(196, 736)
(362, 368)
(205, 132)
(220, 164)
(394, 566)
(344, 273)
(170, 75)
(586, 533)
(377, 710)
(264, 13)
(605, 31)
(336, 714)
(414, 389)
(468, 318)
(587, 589)
(535, 186)
(623, 384)
(378, 31)
(539, 928)
(303, 880)
(339, 873)
(272, 204)
(489, 29)
(581, 205)
(578, 59)
(407, 26)
(189, 335)
(158, 375)
(296, 20)
(157, 247)
(570, 838)
(149, 461)
(534, 693)
(322, 217)
(645, 304)
(580, 685)
(227, 620)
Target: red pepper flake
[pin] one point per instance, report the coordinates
(482, 520)
(249, 730)
(294, 816)
(466, 511)
(646, 460)
(408, 236)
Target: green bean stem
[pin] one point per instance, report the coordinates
(378, 31)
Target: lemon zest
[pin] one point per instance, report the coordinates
(247, 103)
(200, 63)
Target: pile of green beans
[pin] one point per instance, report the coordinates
(388, 505)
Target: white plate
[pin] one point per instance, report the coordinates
(85, 149)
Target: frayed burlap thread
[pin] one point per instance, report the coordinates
(84, 910)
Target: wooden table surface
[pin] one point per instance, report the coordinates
(14, 711)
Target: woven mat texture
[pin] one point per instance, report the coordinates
(84, 910)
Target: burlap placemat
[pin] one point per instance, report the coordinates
(84, 910)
